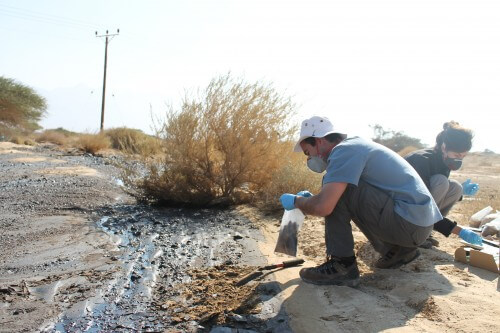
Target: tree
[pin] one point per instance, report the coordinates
(396, 141)
(21, 108)
(228, 139)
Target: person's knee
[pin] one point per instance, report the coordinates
(439, 181)
(439, 186)
(455, 189)
(422, 234)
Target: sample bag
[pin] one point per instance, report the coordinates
(290, 224)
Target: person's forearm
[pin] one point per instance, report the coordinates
(324, 203)
(310, 206)
(456, 230)
(445, 226)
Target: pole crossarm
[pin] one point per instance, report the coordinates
(107, 35)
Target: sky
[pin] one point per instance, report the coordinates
(407, 65)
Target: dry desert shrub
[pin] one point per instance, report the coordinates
(92, 143)
(228, 140)
(134, 141)
(291, 177)
(52, 136)
(406, 150)
(22, 140)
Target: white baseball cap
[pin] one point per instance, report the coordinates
(316, 127)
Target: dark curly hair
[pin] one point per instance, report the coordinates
(333, 137)
(455, 137)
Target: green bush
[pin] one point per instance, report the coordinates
(20, 108)
(396, 141)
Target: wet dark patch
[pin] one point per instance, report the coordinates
(160, 253)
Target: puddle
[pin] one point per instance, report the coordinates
(118, 181)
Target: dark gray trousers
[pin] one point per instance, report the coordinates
(446, 192)
(372, 211)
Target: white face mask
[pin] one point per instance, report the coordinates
(316, 164)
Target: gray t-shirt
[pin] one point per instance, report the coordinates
(356, 158)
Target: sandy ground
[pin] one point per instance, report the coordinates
(432, 294)
(53, 256)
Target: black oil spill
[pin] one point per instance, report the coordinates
(157, 247)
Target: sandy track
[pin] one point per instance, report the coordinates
(51, 254)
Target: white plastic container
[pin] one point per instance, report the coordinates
(475, 220)
(489, 218)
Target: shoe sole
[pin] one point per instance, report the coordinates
(434, 242)
(402, 261)
(426, 245)
(349, 283)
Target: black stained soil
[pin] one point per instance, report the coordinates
(78, 253)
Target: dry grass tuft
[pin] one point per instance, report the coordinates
(134, 141)
(52, 136)
(22, 140)
(92, 143)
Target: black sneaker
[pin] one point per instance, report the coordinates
(397, 256)
(332, 272)
(429, 242)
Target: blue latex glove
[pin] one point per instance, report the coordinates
(470, 237)
(305, 194)
(288, 201)
(470, 188)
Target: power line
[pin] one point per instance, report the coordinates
(45, 20)
(38, 33)
(34, 16)
(43, 17)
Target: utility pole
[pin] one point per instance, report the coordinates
(107, 35)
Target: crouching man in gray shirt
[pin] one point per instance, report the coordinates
(369, 184)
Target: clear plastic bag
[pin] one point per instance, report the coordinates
(287, 239)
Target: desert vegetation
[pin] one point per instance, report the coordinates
(58, 136)
(21, 108)
(230, 143)
(92, 143)
(395, 140)
(134, 141)
(224, 145)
